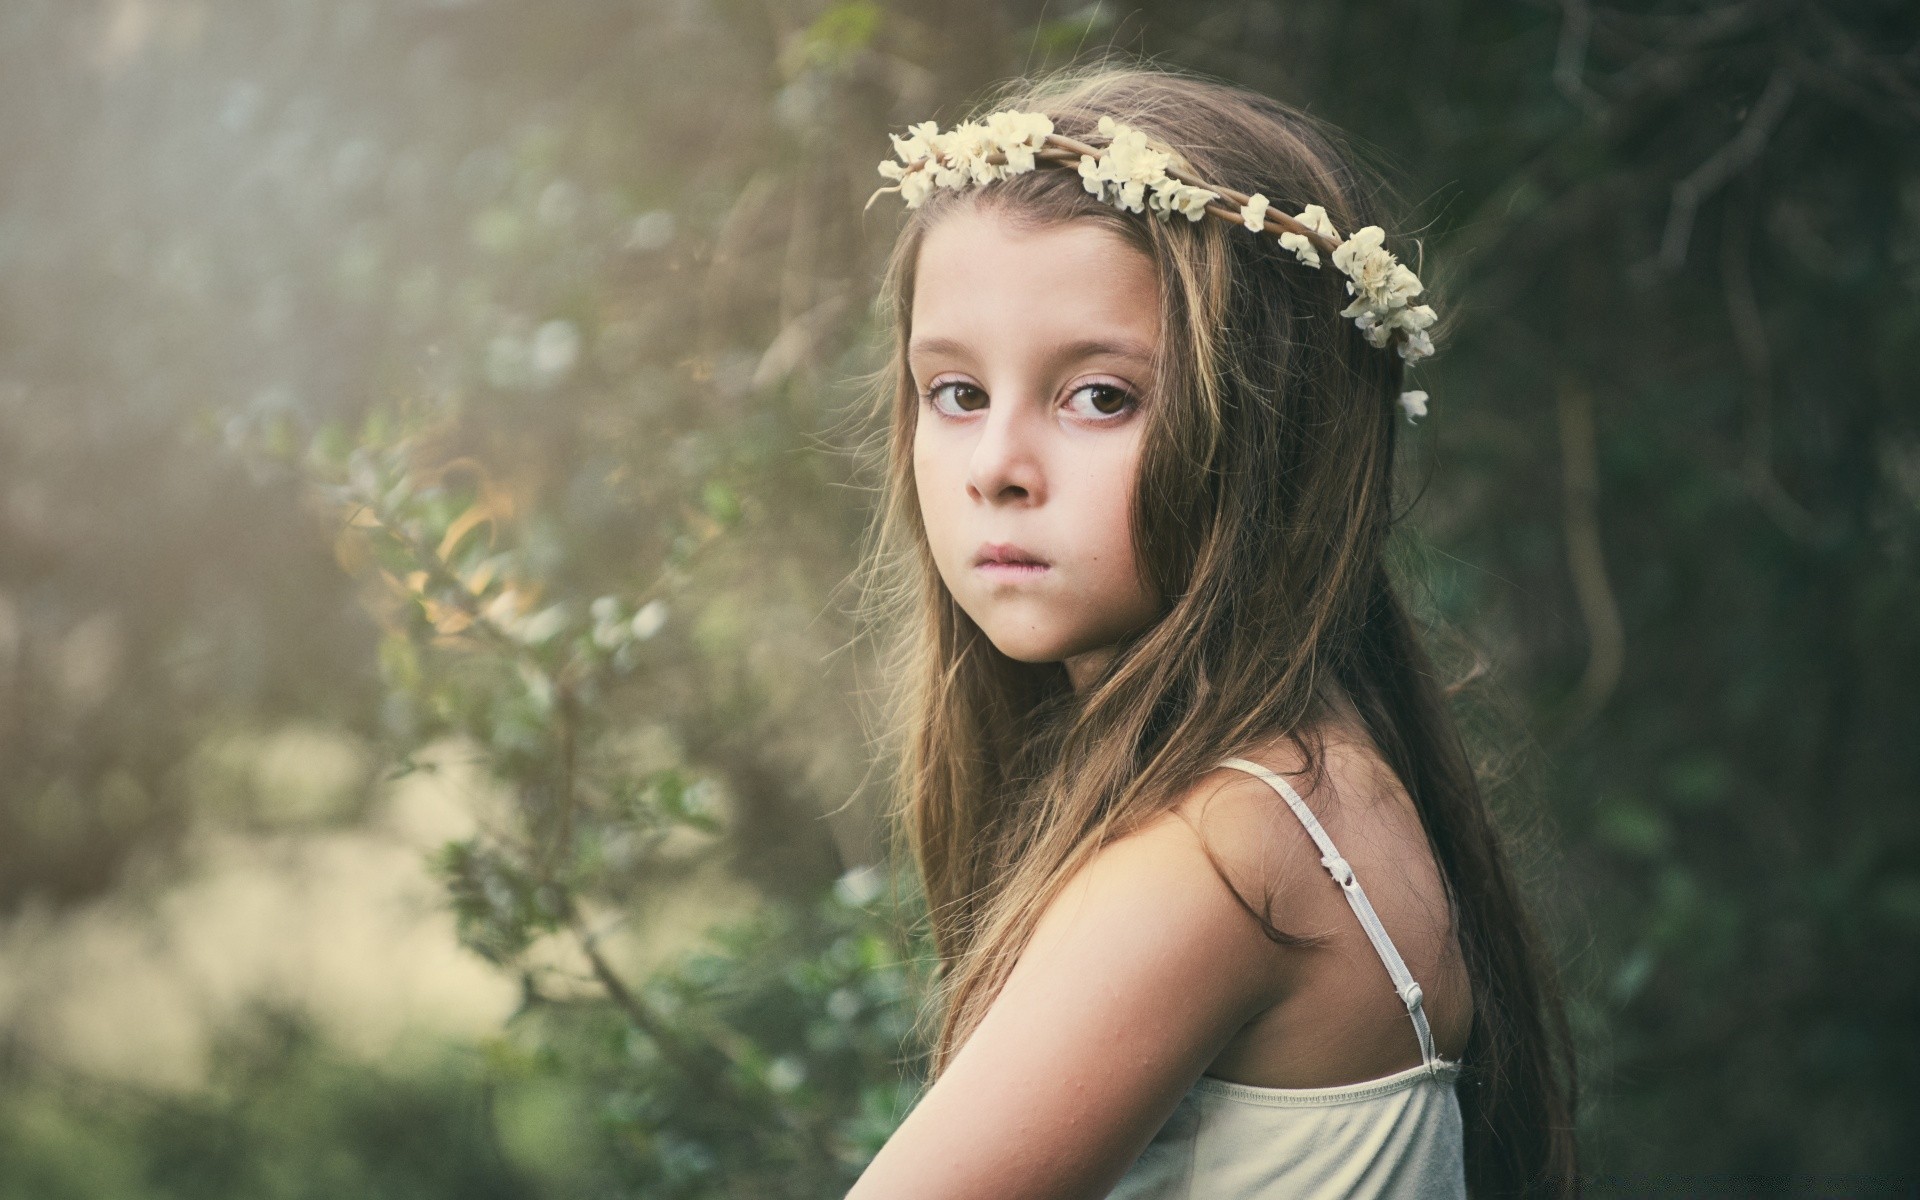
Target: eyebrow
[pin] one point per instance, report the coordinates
(1074, 351)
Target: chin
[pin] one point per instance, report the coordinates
(1027, 644)
(1030, 645)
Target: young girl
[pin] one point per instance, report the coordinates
(1160, 693)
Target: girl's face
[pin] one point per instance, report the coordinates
(1031, 350)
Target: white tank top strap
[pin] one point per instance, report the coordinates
(1403, 982)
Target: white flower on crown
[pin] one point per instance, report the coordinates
(1415, 404)
(1313, 217)
(1183, 198)
(1129, 172)
(1414, 320)
(915, 186)
(1418, 344)
(959, 156)
(1171, 196)
(1123, 172)
(1378, 282)
(916, 145)
(1253, 214)
(1019, 134)
(1381, 287)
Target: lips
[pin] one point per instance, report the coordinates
(1006, 554)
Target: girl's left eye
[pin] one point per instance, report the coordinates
(1120, 400)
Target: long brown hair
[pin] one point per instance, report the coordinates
(1261, 514)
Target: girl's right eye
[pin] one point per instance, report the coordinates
(932, 394)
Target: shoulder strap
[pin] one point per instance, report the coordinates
(1403, 982)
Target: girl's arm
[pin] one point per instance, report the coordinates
(1137, 975)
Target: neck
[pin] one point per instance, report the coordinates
(1082, 669)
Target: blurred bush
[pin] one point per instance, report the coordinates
(283, 1116)
(773, 1067)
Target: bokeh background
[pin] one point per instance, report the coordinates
(435, 740)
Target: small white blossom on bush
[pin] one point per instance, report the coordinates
(539, 686)
(860, 886)
(844, 1004)
(647, 622)
(786, 1073)
(701, 800)
(555, 349)
(537, 628)
(610, 631)
(504, 609)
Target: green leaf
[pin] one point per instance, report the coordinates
(720, 502)
(1632, 827)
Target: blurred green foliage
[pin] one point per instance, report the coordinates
(772, 1065)
(769, 1064)
(283, 1116)
(780, 1075)
(474, 373)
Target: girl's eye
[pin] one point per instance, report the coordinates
(1115, 402)
(932, 396)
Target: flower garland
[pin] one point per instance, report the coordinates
(1133, 173)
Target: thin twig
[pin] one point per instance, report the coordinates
(1750, 336)
(565, 709)
(1570, 59)
(1586, 559)
(1723, 164)
(643, 1018)
(1856, 59)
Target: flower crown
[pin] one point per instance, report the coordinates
(1130, 170)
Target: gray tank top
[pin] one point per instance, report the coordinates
(1396, 1136)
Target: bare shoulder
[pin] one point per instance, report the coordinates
(1169, 888)
(1250, 828)
(1228, 846)
(1364, 809)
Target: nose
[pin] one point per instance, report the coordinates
(1006, 461)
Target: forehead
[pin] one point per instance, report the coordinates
(981, 278)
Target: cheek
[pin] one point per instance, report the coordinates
(1111, 525)
(1112, 492)
(928, 488)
